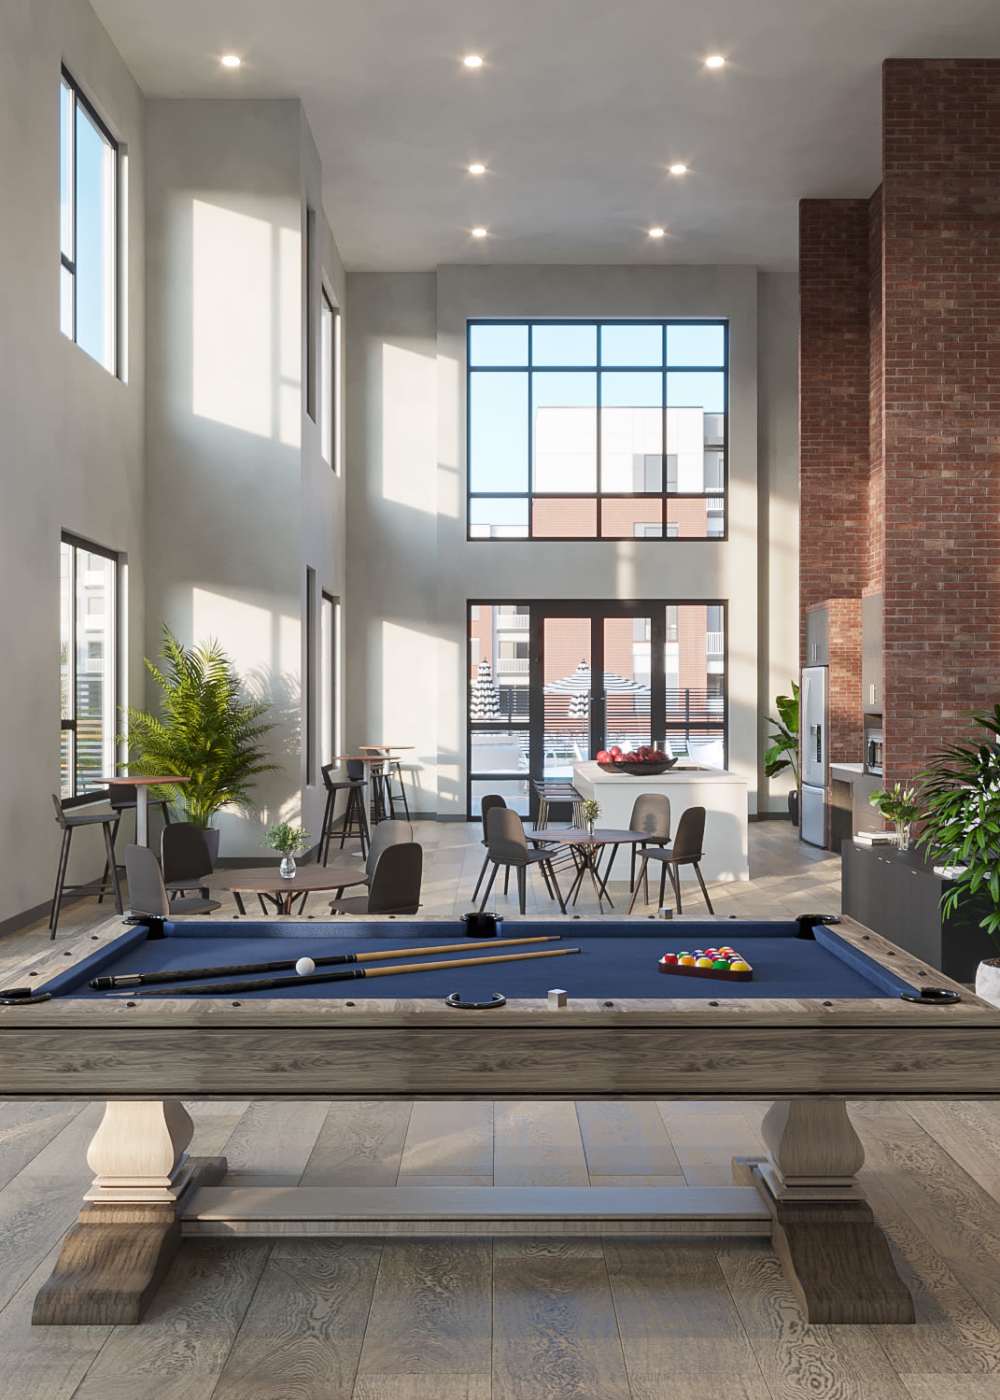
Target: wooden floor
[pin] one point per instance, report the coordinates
(514, 1320)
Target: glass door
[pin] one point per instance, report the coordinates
(566, 696)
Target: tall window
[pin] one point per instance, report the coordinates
(88, 665)
(329, 608)
(553, 683)
(310, 258)
(88, 227)
(310, 677)
(597, 429)
(329, 369)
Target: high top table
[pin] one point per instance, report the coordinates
(142, 786)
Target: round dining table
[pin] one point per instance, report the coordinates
(271, 887)
(588, 847)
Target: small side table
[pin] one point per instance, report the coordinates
(142, 786)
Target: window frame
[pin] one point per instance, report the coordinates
(329, 415)
(79, 97)
(330, 676)
(598, 611)
(118, 639)
(598, 495)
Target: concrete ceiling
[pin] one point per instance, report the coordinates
(578, 109)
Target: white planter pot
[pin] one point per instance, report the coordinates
(988, 982)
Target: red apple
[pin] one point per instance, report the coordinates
(603, 756)
(615, 751)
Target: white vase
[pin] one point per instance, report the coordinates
(287, 868)
(988, 981)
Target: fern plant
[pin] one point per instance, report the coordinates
(207, 731)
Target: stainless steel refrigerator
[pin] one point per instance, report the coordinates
(814, 756)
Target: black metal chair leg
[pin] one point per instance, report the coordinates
(115, 882)
(545, 876)
(60, 881)
(506, 880)
(675, 880)
(555, 886)
(107, 869)
(323, 854)
(636, 884)
(475, 892)
(241, 907)
(522, 884)
(631, 872)
(402, 791)
(663, 885)
(701, 882)
(486, 892)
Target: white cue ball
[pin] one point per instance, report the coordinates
(305, 967)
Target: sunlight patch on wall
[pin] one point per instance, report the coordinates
(408, 384)
(289, 326)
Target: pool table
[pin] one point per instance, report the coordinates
(833, 1011)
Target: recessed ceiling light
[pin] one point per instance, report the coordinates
(473, 60)
(480, 232)
(477, 168)
(715, 60)
(678, 168)
(230, 60)
(656, 231)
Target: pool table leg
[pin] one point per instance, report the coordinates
(114, 1257)
(834, 1254)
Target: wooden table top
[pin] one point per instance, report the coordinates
(576, 836)
(265, 879)
(387, 747)
(137, 781)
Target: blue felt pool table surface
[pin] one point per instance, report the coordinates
(618, 959)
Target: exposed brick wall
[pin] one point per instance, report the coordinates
(875, 563)
(941, 384)
(834, 374)
(846, 738)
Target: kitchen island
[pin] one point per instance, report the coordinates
(721, 793)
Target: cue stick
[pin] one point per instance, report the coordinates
(350, 974)
(192, 974)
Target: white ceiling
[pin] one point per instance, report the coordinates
(578, 109)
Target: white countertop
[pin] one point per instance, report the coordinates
(690, 773)
(847, 771)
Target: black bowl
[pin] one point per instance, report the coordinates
(639, 770)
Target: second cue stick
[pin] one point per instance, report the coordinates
(351, 974)
(192, 974)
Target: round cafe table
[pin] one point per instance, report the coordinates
(271, 887)
(589, 846)
(142, 786)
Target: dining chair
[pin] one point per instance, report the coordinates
(68, 822)
(686, 849)
(650, 815)
(147, 894)
(395, 883)
(486, 804)
(507, 848)
(185, 859)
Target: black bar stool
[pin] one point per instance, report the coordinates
(121, 799)
(355, 819)
(68, 822)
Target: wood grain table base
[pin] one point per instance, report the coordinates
(113, 1259)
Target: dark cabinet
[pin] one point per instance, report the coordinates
(817, 637)
(897, 894)
(872, 665)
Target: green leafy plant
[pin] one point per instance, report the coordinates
(961, 796)
(591, 809)
(783, 751)
(287, 840)
(207, 731)
(897, 804)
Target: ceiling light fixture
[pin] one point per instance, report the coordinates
(656, 231)
(480, 232)
(477, 168)
(678, 168)
(715, 60)
(473, 60)
(230, 60)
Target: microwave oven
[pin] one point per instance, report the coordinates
(873, 751)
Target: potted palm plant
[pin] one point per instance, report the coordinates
(961, 828)
(207, 730)
(784, 748)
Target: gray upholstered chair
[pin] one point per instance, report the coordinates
(686, 849)
(185, 859)
(147, 894)
(394, 887)
(650, 815)
(68, 822)
(507, 848)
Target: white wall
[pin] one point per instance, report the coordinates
(71, 445)
(239, 501)
(410, 567)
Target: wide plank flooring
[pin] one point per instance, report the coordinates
(514, 1319)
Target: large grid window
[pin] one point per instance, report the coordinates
(550, 684)
(88, 665)
(88, 227)
(597, 429)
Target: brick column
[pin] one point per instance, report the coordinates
(941, 401)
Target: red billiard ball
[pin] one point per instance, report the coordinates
(669, 959)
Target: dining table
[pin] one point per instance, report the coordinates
(273, 888)
(588, 847)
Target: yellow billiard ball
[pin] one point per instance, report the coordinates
(739, 966)
(703, 962)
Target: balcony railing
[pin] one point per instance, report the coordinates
(513, 666)
(512, 622)
(715, 643)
